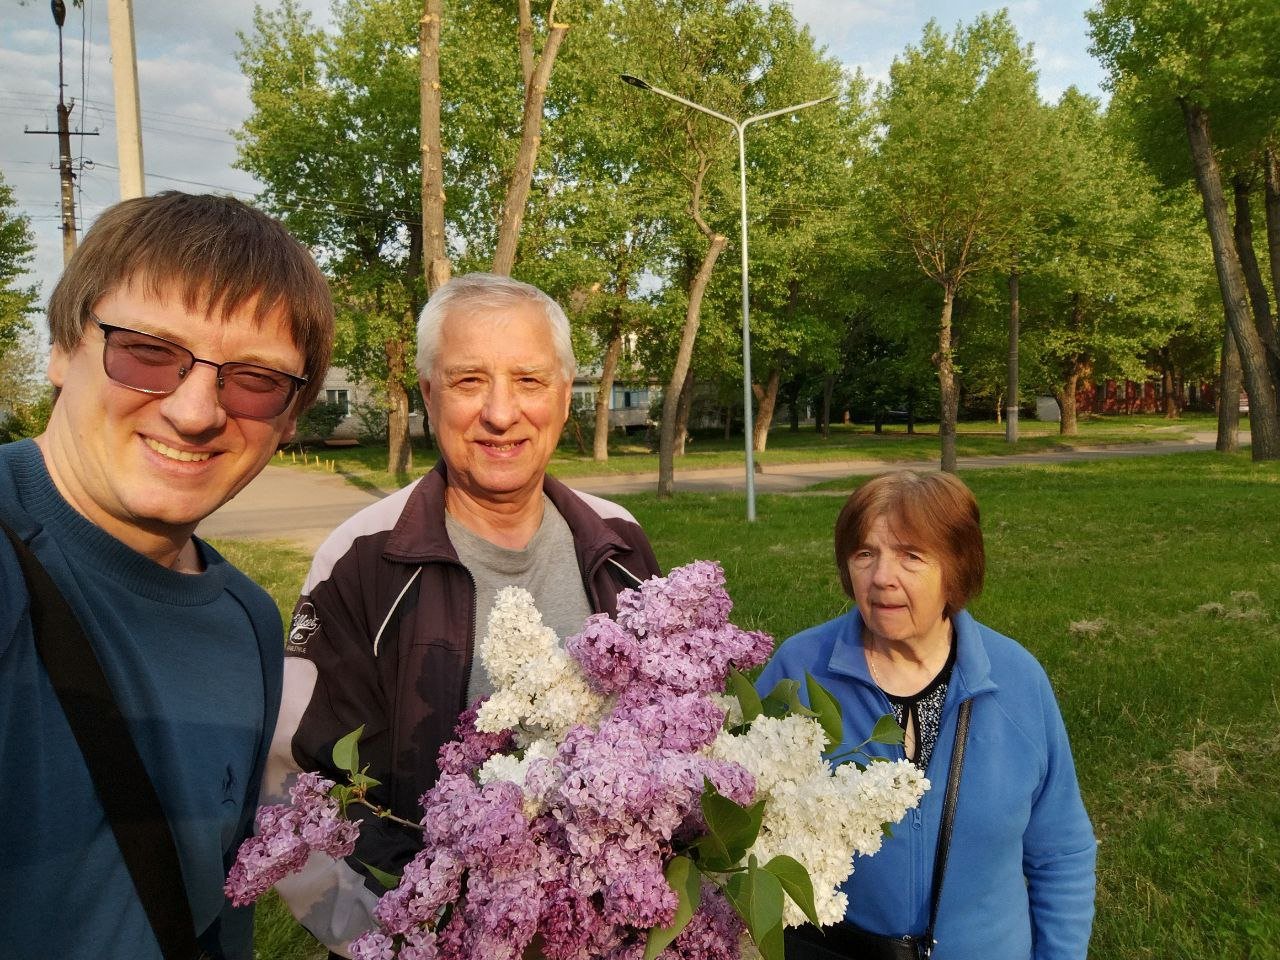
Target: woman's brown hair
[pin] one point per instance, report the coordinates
(934, 511)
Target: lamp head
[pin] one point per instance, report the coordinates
(634, 81)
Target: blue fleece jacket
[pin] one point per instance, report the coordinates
(195, 663)
(1020, 875)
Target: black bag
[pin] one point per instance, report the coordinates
(125, 790)
(846, 941)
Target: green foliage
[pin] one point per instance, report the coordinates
(685, 879)
(960, 118)
(796, 882)
(17, 302)
(827, 710)
(346, 751)
(26, 419)
(1152, 603)
(748, 699)
(320, 420)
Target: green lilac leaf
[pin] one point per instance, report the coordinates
(888, 732)
(389, 881)
(796, 882)
(771, 945)
(827, 709)
(748, 699)
(346, 752)
(683, 876)
(757, 896)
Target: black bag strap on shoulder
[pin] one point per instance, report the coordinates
(948, 820)
(125, 790)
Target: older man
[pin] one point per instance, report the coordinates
(383, 634)
(187, 333)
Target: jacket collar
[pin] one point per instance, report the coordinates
(972, 672)
(419, 535)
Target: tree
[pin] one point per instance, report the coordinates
(1119, 269)
(1206, 67)
(17, 301)
(802, 184)
(956, 117)
(712, 53)
(329, 140)
(354, 160)
(599, 218)
(17, 250)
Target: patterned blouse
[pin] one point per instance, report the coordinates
(924, 710)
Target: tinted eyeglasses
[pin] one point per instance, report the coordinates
(150, 364)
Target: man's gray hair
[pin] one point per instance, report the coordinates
(489, 293)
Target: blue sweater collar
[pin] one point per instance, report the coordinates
(972, 674)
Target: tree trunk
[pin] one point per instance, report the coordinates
(767, 403)
(1259, 300)
(435, 258)
(688, 333)
(1011, 377)
(728, 421)
(1228, 395)
(1170, 397)
(911, 411)
(947, 388)
(1264, 412)
(535, 92)
(828, 386)
(682, 413)
(600, 446)
(399, 448)
(1066, 396)
(1271, 181)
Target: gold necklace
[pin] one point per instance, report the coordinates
(874, 674)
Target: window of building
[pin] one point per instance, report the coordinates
(340, 398)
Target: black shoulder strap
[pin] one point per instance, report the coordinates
(948, 818)
(123, 786)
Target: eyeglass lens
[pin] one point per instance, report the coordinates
(147, 363)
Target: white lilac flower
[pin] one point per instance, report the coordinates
(818, 816)
(539, 690)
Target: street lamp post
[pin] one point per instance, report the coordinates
(740, 129)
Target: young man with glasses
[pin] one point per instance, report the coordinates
(188, 333)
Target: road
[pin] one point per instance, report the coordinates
(302, 507)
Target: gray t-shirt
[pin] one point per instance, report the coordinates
(547, 568)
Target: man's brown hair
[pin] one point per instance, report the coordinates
(217, 253)
(933, 511)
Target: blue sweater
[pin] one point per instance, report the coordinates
(195, 662)
(1020, 874)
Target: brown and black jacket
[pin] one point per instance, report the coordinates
(381, 638)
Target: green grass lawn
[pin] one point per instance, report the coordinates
(1150, 590)
(365, 466)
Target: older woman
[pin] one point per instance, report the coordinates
(1019, 867)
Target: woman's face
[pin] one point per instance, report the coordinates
(898, 588)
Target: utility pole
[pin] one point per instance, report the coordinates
(124, 72)
(65, 172)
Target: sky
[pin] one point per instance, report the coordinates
(193, 94)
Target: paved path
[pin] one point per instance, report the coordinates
(303, 507)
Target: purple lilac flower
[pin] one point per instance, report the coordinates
(586, 874)
(472, 748)
(287, 836)
(672, 635)
(714, 931)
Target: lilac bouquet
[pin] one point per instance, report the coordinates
(609, 800)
